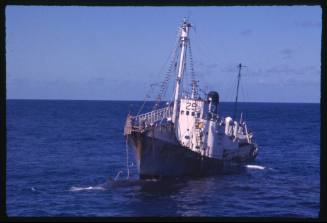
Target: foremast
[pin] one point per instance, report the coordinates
(184, 31)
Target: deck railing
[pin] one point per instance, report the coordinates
(152, 117)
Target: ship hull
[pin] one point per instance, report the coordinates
(158, 158)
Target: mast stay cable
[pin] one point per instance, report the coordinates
(164, 83)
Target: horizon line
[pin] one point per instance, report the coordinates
(134, 100)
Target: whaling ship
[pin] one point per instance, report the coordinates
(187, 137)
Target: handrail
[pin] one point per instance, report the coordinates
(152, 117)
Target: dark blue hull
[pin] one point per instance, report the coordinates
(158, 159)
(159, 154)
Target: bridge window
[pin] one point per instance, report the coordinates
(193, 113)
(182, 112)
(198, 115)
(187, 112)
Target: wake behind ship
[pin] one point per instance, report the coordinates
(187, 137)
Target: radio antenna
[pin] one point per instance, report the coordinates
(240, 66)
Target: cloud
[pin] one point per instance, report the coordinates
(198, 63)
(208, 69)
(287, 70)
(287, 53)
(229, 68)
(99, 80)
(276, 72)
(285, 76)
(212, 66)
(246, 32)
(17, 80)
(280, 70)
(308, 24)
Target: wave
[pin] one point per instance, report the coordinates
(33, 189)
(75, 189)
(256, 167)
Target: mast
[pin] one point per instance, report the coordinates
(184, 29)
(238, 84)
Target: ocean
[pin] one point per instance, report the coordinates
(60, 155)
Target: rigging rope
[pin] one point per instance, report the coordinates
(127, 162)
(147, 96)
(194, 82)
(164, 84)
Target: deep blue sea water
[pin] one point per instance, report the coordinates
(60, 154)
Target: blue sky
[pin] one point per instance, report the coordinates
(116, 53)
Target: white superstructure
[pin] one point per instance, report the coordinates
(196, 123)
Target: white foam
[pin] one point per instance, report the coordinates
(74, 189)
(256, 167)
(272, 169)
